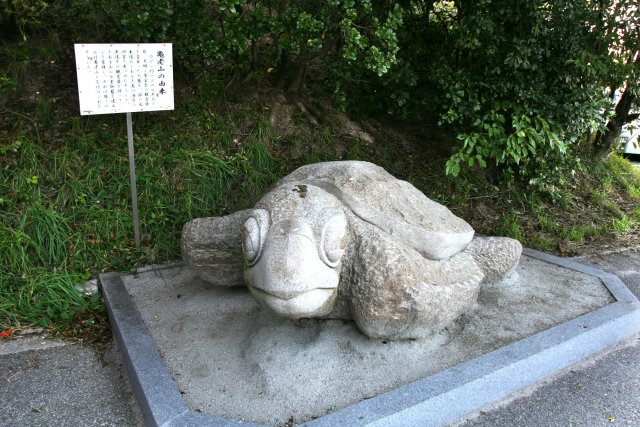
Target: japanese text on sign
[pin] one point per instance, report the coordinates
(120, 78)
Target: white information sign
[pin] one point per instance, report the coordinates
(124, 77)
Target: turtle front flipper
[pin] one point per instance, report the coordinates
(496, 256)
(396, 293)
(212, 248)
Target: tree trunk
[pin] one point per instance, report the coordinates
(605, 140)
(290, 73)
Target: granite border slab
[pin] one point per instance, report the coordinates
(435, 400)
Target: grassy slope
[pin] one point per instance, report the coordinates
(64, 185)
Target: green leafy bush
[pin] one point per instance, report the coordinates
(25, 13)
(517, 88)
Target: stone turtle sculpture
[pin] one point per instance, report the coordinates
(347, 240)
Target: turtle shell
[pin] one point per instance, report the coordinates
(393, 205)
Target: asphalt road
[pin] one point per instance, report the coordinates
(64, 385)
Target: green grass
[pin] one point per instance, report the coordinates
(65, 211)
(43, 297)
(511, 227)
(622, 224)
(622, 173)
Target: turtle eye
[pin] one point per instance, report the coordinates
(254, 232)
(334, 240)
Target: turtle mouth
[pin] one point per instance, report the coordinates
(312, 303)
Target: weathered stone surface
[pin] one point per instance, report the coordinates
(396, 292)
(393, 205)
(212, 247)
(348, 240)
(496, 256)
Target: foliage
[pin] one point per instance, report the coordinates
(619, 30)
(515, 82)
(520, 85)
(516, 143)
(26, 13)
(6, 83)
(490, 71)
(256, 34)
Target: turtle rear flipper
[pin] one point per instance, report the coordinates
(496, 256)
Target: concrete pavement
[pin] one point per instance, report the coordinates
(66, 384)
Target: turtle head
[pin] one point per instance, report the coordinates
(293, 256)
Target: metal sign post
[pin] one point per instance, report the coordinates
(123, 78)
(132, 177)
